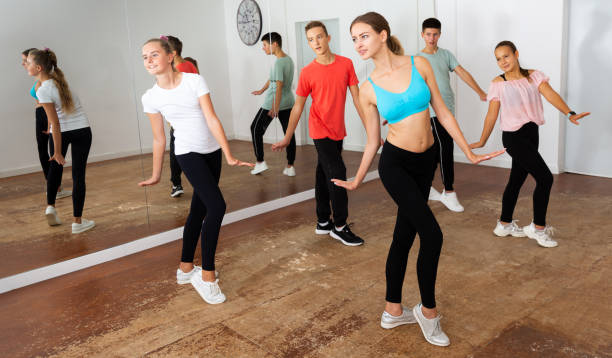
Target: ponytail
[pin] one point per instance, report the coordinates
(395, 46)
(48, 61)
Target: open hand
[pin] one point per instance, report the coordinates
(148, 182)
(574, 119)
(477, 158)
(257, 93)
(278, 146)
(235, 162)
(348, 185)
(476, 145)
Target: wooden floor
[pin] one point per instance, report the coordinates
(292, 293)
(123, 211)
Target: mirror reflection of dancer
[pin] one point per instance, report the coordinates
(183, 99)
(181, 65)
(517, 93)
(401, 89)
(278, 103)
(443, 62)
(326, 79)
(44, 141)
(69, 126)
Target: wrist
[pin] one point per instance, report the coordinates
(570, 113)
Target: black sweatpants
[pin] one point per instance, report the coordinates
(444, 153)
(522, 146)
(80, 143)
(407, 176)
(44, 142)
(175, 168)
(258, 128)
(330, 166)
(207, 206)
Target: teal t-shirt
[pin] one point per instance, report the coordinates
(281, 71)
(443, 63)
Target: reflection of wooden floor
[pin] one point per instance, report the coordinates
(119, 206)
(292, 293)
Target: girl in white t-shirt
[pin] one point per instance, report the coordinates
(69, 126)
(183, 100)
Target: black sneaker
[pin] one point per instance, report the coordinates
(324, 229)
(177, 190)
(346, 236)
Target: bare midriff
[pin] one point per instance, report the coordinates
(412, 133)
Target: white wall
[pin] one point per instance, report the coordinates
(471, 32)
(249, 67)
(98, 48)
(589, 145)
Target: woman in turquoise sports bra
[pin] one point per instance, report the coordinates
(400, 88)
(44, 142)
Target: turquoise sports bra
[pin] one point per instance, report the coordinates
(396, 106)
(33, 91)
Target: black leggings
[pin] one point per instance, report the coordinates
(44, 142)
(207, 206)
(407, 176)
(522, 145)
(175, 168)
(80, 142)
(258, 129)
(444, 153)
(330, 166)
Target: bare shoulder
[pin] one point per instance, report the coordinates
(497, 79)
(366, 91)
(421, 62)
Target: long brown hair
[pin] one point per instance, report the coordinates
(48, 61)
(523, 71)
(379, 23)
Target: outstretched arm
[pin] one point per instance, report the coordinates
(214, 124)
(445, 116)
(555, 99)
(489, 123)
(262, 90)
(294, 118)
(470, 81)
(159, 147)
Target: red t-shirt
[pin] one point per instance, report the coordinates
(327, 85)
(186, 67)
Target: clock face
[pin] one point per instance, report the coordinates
(248, 19)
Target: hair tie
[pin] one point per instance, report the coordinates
(163, 37)
(46, 49)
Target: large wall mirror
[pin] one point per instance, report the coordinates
(101, 58)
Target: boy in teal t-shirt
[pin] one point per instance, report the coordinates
(278, 102)
(443, 62)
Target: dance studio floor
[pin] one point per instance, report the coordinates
(294, 294)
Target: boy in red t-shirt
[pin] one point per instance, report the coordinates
(326, 79)
(181, 65)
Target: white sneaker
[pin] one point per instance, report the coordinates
(290, 172)
(83, 226)
(543, 237)
(431, 328)
(209, 291)
(63, 194)
(259, 167)
(508, 229)
(434, 194)
(183, 278)
(450, 201)
(388, 321)
(52, 217)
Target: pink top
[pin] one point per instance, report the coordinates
(520, 101)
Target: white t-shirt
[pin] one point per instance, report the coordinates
(180, 106)
(77, 119)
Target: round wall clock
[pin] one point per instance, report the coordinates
(248, 20)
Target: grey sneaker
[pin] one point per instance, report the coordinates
(63, 194)
(52, 217)
(543, 237)
(388, 321)
(183, 278)
(209, 291)
(431, 328)
(513, 229)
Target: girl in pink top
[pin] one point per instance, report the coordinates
(517, 92)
